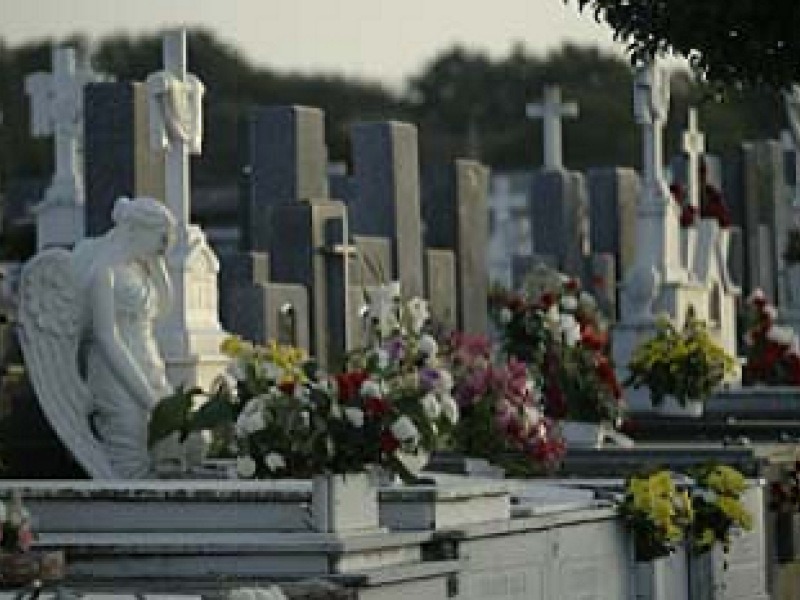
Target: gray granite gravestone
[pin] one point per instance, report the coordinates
(456, 218)
(764, 203)
(386, 202)
(118, 159)
(559, 219)
(613, 195)
(440, 269)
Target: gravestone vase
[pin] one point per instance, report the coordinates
(582, 434)
(344, 503)
(670, 407)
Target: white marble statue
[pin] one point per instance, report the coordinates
(86, 320)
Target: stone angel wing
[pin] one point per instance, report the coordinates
(50, 322)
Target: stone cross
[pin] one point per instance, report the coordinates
(190, 336)
(694, 145)
(57, 110)
(551, 111)
(651, 108)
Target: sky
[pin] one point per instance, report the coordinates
(386, 40)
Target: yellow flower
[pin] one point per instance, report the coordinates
(235, 347)
(726, 480)
(734, 510)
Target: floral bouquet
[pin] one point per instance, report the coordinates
(772, 351)
(16, 534)
(657, 513)
(387, 407)
(717, 507)
(558, 331)
(501, 407)
(686, 364)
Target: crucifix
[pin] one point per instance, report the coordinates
(176, 122)
(551, 111)
(694, 145)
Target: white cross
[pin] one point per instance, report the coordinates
(176, 122)
(694, 145)
(551, 111)
(651, 109)
(57, 109)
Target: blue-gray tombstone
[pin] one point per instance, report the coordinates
(613, 196)
(118, 160)
(456, 218)
(288, 162)
(386, 201)
(559, 212)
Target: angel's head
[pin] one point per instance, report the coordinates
(148, 224)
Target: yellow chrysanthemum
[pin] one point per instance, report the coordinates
(726, 480)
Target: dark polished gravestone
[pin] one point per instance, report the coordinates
(118, 159)
(30, 449)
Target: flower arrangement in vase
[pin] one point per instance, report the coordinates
(19, 565)
(502, 414)
(717, 507)
(656, 512)
(558, 331)
(387, 407)
(772, 352)
(686, 364)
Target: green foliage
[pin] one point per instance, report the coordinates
(730, 41)
(686, 364)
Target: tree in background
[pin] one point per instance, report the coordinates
(751, 42)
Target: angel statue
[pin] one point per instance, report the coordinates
(86, 330)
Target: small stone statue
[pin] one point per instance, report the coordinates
(86, 330)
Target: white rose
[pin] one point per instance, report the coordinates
(570, 330)
(505, 315)
(274, 461)
(553, 316)
(418, 312)
(245, 467)
(428, 345)
(569, 303)
(251, 419)
(444, 382)
(431, 406)
(404, 429)
(371, 389)
(355, 416)
(449, 408)
(531, 416)
(382, 357)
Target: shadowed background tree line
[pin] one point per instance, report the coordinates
(465, 102)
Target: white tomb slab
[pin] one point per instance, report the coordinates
(57, 110)
(190, 337)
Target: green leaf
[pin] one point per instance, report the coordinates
(171, 414)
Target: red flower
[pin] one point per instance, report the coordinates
(593, 339)
(688, 215)
(608, 376)
(547, 300)
(572, 285)
(350, 383)
(287, 387)
(375, 407)
(389, 443)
